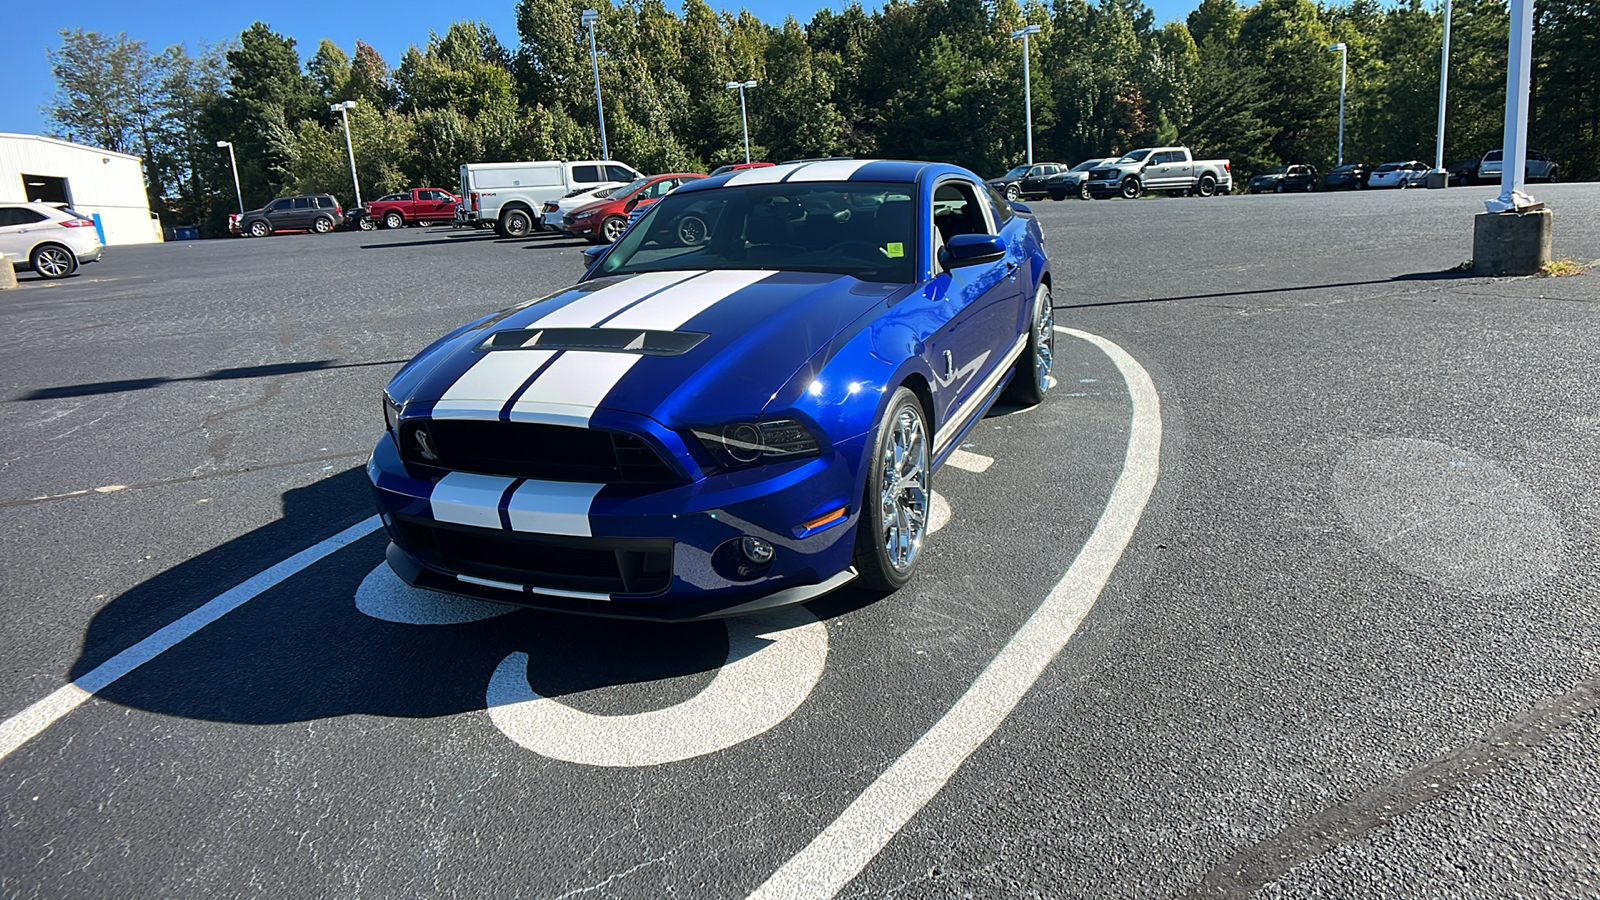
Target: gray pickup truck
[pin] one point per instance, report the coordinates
(1170, 169)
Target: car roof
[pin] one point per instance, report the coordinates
(877, 170)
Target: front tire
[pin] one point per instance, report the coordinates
(1083, 192)
(52, 261)
(1058, 196)
(368, 224)
(1013, 193)
(611, 229)
(894, 511)
(259, 228)
(1032, 376)
(1131, 189)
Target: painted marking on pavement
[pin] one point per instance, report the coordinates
(938, 513)
(774, 661)
(972, 462)
(382, 595)
(844, 848)
(24, 726)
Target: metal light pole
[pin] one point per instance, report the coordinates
(1027, 82)
(589, 18)
(1514, 155)
(1444, 86)
(1344, 59)
(743, 119)
(343, 109)
(234, 163)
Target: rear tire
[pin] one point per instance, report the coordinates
(894, 509)
(394, 220)
(1207, 186)
(52, 261)
(1032, 376)
(516, 224)
(322, 225)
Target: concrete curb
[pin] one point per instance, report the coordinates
(8, 275)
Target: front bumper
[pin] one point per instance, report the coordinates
(1102, 190)
(689, 530)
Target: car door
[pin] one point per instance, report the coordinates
(1158, 172)
(441, 205)
(975, 307)
(300, 213)
(1033, 182)
(17, 225)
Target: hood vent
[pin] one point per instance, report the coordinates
(595, 340)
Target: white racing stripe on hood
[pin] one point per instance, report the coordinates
(466, 499)
(828, 170)
(568, 392)
(482, 391)
(552, 507)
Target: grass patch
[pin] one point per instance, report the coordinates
(1560, 268)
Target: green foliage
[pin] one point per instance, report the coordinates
(929, 79)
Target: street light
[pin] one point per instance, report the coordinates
(235, 164)
(1344, 58)
(1027, 82)
(1444, 84)
(588, 19)
(343, 109)
(743, 119)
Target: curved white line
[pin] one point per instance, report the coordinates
(774, 660)
(24, 726)
(844, 848)
(383, 596)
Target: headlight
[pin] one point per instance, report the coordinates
(391, 415)
(749, 443)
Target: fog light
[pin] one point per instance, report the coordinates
(756, 550)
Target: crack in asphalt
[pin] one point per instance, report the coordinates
(185, 479)
(1256, 866)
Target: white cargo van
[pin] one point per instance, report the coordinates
(509, 195)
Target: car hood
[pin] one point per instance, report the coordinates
(682, 348)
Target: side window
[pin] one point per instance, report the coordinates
(278, 205)
(326, 202)
(8, 217)
(619, 173)
(302, 203)
(957, 211)
(586, 174)
(1000, 206)
(14, 216)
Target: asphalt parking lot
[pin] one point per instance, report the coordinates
(1350, 649)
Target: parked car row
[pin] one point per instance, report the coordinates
(1172, 170)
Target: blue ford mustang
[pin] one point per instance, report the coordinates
(739, 406)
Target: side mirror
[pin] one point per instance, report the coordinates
(592, 255)
(972, 249)
(631, 204)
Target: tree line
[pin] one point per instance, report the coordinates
(920, 79)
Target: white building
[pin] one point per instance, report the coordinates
(92, 181)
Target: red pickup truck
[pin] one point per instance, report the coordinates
(416, 206)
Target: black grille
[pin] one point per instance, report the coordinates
(1101, 174)
(532, 450)
(633, 566)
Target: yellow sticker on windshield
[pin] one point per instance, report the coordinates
(895, 250)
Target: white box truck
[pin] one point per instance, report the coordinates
(509, 195)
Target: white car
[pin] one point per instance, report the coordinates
(1410, 173)
(554, 210)
(48, 240)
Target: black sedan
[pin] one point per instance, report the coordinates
(1301, 178)
(1351, 176)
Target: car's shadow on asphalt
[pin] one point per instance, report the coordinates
(302, 650)
(1446, 275)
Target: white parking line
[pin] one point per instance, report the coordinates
(972, 462)
(845, 847)
(24, 726)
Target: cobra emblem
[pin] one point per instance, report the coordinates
(425, 445)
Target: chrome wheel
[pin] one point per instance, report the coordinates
(258, 229)
(903, 500)
(52, 262)
(393, 220)
(367, 224)
(322, 226)
(611, 229)
(1013, 193)
(1044, 341)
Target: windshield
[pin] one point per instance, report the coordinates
(1389, 167)
(862, 229)
(1086, 165)
(1495, 156)
(1135, 156)
(630, 187)
(1018, 172)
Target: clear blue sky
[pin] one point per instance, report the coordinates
(389, 25)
